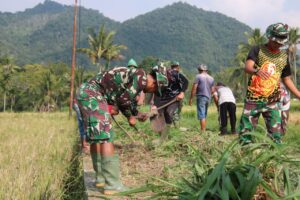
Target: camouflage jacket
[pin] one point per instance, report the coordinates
(120, 86)
(177, 83)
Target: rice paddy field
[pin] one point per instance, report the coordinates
(40, 159)
(39, 153)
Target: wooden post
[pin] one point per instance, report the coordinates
(73, 60)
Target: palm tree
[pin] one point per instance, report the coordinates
(101, 47)
(254, 39)
(8, 69)
(113, 53)
(95, 50)
(294, 39)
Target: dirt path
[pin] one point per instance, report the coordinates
(138, 165)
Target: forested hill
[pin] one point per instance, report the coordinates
(184, 33)
(44, 33)
(177, 32)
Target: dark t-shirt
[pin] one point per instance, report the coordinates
(276, 64)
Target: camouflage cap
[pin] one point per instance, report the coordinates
(161, 76)
(278, 32)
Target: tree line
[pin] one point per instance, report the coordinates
(37, 87)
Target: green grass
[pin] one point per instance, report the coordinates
(208, 164)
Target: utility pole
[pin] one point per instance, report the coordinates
(73, 60)
(295, 67)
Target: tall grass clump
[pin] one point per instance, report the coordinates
(223, 169)
(38, 156)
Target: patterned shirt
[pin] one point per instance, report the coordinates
(120, 86)
(276, 64)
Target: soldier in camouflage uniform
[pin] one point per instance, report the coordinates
(267, 65)
(118, 87)
(178, 84)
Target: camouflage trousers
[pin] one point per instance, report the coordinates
(284, 120)
(284, 111)
(96, 117)
(270, 113)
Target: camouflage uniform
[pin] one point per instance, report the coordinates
(263, 96)
(285, 103)
(177, 83)
(118, 86)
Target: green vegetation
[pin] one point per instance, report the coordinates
(34, 87)
(41, 161)
(184, 33)
(179, 32)
(44, 33)
(208, 166)
(102, 47)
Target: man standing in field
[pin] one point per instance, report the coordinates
(202, 88)
(178, 84)
(267, 64)
(118, 87)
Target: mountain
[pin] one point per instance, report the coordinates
(176, 32)
(45, 33)
(184, 33)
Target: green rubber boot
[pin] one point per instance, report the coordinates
(245, 139)
(277, 138)
(97, 165)
(111, 172)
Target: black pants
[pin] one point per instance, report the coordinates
(169, 110)
(230, 108)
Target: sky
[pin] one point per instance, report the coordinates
(254, 13)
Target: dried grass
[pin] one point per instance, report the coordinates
(36, 149)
